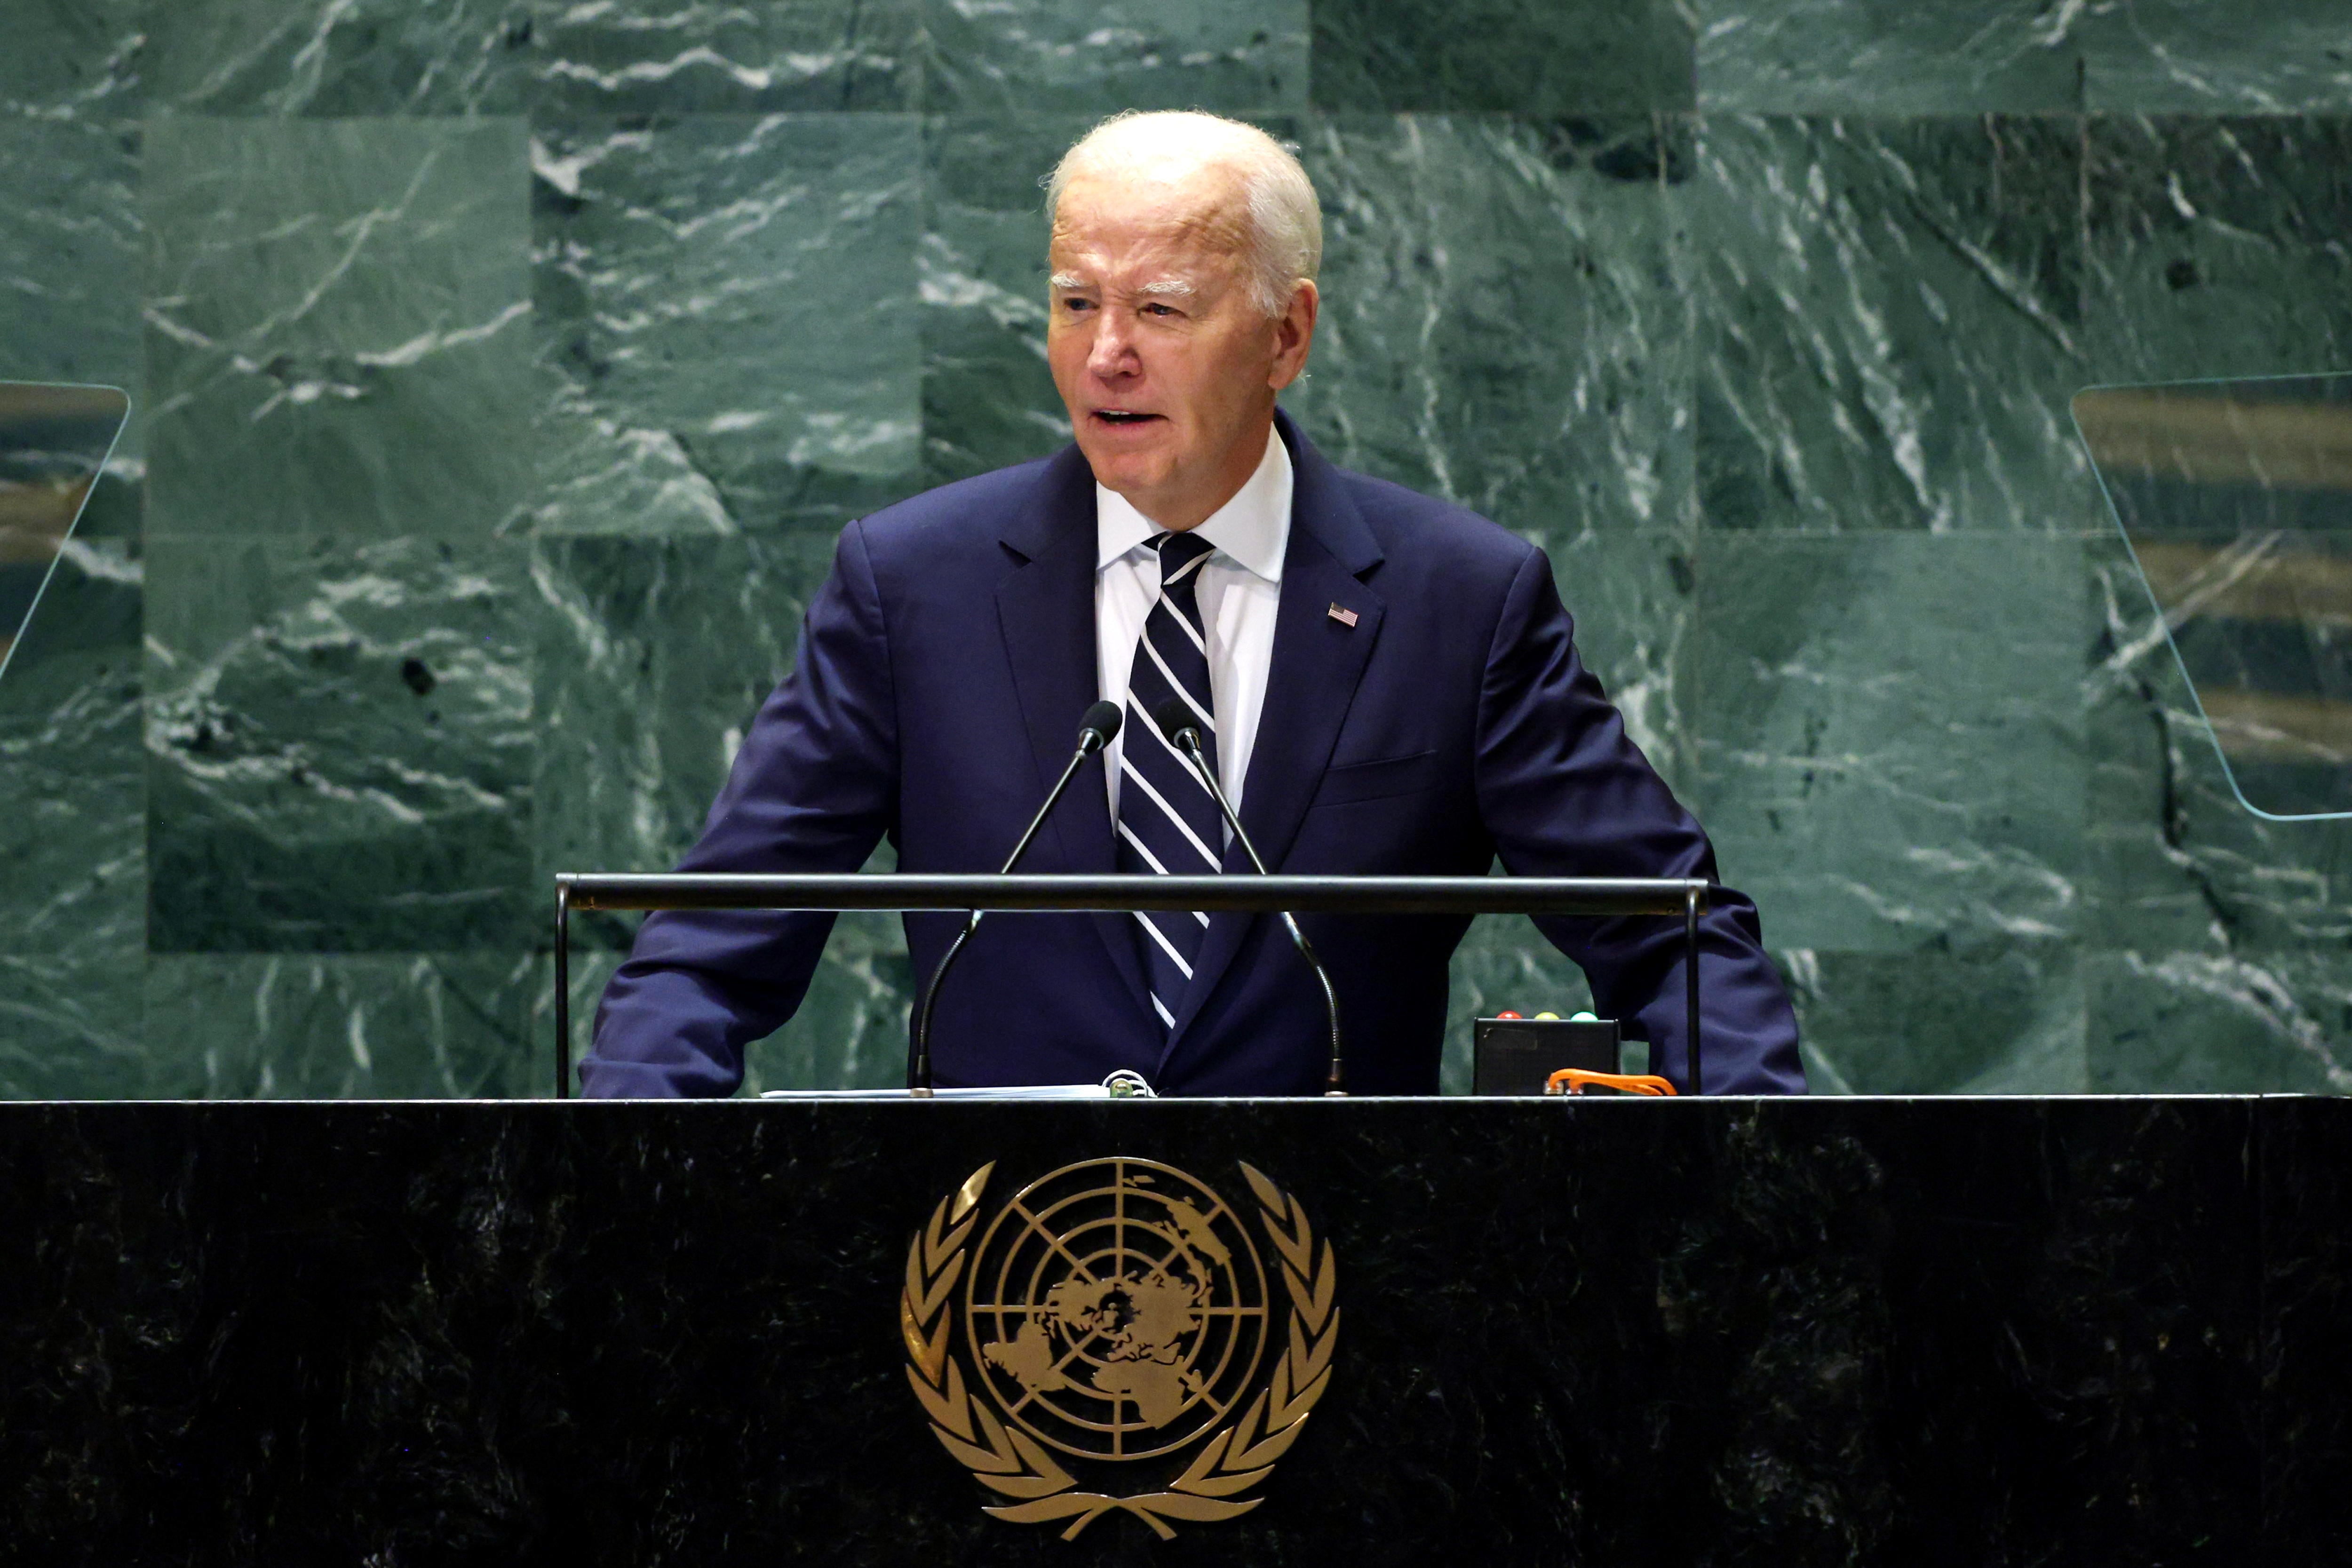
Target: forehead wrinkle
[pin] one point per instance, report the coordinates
(1204, 206)
(1105, 234)
(1092, 269)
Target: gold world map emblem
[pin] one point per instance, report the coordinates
(1118, 1312)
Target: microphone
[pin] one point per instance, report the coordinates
(1174, 718)
(1097, 729)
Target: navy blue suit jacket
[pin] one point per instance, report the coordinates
(942, 674)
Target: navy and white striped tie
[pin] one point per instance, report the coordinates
(1168, 824)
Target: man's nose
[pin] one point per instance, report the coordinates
(1113, 353)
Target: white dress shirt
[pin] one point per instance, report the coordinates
(1239, 589)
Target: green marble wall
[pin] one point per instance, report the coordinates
(504, 367)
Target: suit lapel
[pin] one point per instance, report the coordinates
(1045, 610)
(1319, 660)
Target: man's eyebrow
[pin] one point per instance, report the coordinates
(1174, 286)
(1065, 280)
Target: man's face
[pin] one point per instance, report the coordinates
(1166, 365)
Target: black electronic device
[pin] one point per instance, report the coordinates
(1519, 1056)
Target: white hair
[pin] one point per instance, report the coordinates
(1284, 241)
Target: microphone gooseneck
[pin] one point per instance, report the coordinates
(1095, 731)
(1176, 722)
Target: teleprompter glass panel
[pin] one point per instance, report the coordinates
(2236, 499)
(53, 441)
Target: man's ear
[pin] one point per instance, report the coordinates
(1294, 334)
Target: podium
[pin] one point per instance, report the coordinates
(1603, 1331)
(1686, 898)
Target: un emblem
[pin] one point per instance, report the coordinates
(1115, 1312)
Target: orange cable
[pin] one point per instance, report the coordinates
(1575, 1081)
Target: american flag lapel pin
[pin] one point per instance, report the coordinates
(1341, 614)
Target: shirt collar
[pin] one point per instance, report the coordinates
(1252, 529)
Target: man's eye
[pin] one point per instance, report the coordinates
(1074, 303)
(1157, 308)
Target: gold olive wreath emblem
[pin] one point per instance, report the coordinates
(1117, 1310)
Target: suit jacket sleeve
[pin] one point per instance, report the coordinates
(1565, 792)
(814, 786)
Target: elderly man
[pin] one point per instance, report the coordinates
(1384, 684)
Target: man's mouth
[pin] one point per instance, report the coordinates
(1123, 416)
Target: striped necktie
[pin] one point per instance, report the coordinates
(1168, 824)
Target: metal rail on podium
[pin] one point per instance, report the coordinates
(1603, 897)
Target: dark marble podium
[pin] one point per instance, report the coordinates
(1897, 1332)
